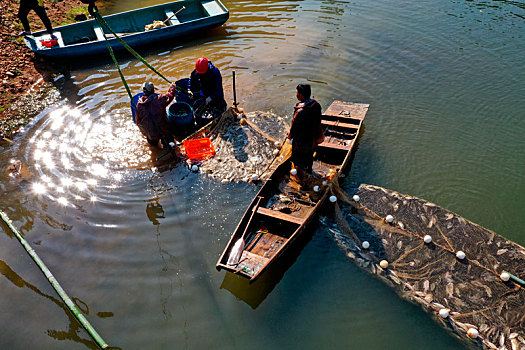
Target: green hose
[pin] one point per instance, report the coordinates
(112, 54)
(102, 22)
(70, 304)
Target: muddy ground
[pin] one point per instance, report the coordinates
(26, 80)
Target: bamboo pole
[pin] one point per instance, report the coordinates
(52, 280)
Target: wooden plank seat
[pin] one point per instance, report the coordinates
(347, 135)
(98, 32)
(354, 127)
(173, 20)
(212, 7)
(265, 245)
(279, 215)
(346, 110)
(335, 146)
(251, 263)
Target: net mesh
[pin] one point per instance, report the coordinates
(431, 274)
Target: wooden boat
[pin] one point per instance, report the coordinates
(86, 38)
(283, 208)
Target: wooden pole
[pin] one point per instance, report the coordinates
(70, 304)
(173, 15)
(234, 90)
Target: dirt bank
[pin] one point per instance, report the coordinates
(24, 78)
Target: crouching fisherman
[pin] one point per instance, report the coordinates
(205, 86)
(151, 115)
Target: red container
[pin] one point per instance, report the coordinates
(49, 43)
(199, 149)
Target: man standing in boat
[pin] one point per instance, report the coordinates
(151, 115)
(38, 6)
(206, 87)
(306, 131)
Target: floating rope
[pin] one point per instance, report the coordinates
(70, 304)
(336, 190)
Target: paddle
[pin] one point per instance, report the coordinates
(173, 15)
(238, 247)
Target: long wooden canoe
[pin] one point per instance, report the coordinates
(86, 38)
(283, 208)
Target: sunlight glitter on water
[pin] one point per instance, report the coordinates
(75, 154)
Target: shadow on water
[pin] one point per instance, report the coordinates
(75, 328)
(255, 293)
(155, 211)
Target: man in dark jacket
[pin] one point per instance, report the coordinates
(306, 131)
(25, 7)
(151, 115)
(206, 87)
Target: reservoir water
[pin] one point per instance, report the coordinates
(135, 244)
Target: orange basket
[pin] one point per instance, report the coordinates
(199, 149)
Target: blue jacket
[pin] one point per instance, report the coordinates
(208, 84)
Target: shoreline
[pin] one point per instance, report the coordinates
(26, 80)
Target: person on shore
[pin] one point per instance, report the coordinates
(36, 5)
(306, 131)
(205, 86)
(151, 117)
(91, 6)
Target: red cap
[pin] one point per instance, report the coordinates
(201, 66)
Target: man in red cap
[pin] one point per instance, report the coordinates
(206, 86)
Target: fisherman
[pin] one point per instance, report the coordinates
(151, 115)
(38, 6)
(205, 87)
(306, 131)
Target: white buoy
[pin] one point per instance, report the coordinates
(316, 188)
(460, 255)
(275, 152)
(325, 183)
(389, 218)
(333, 199)
(505, 276)
(255, 177)
(427, 239)
(383, 264)
(172, 144)
(293, 172)
(355, 198)
(444, 313)
(365, 244)
(277, 143)
(194, 168)
(472, 333)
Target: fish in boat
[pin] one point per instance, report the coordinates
(87, 38)
(284, 207)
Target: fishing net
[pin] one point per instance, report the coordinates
(245, 149)
(430, 274)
